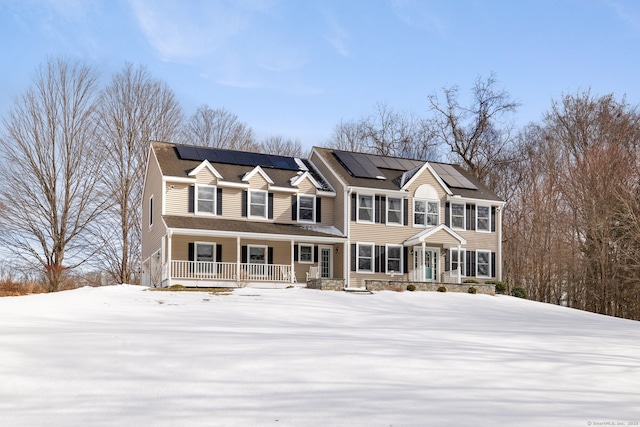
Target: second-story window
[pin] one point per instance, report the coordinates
(425, 212)
(258, 204)
(306, 208)
(206, 199)
(394, 211)
(483, 220)
(365, 208)
(457, 215)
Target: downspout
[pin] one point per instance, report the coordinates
(347, 252)
(499, 263)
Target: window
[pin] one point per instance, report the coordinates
(205, 252)
(150, 211)
(306, 208)
(483, 221)
(205, 199)
(457, 259)
(305, 253)
(257, 254)
(394, 259)
(257, 204)
(425, 212)
(483, 264)
(394, 211)
(457, 215)
(365, 208)
(365, 257)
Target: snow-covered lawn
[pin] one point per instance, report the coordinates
(126, 356)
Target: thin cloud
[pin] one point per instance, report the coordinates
(415, 15)
(337, 35)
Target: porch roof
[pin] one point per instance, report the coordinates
(441, 235)
(233, 228)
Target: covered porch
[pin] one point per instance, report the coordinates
(225, 253)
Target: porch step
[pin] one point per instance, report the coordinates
(358, 290)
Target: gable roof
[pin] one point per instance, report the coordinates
(393, 173)
(279, 169)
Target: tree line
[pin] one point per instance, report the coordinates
(73, 158)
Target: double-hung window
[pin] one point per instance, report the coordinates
(483, 263)
(425, 212)
(305, 253)
(258, 204)
(365, 208)
(394, 211)
(205, 199)
(394, 258)
(306, 208)
(457, 215)
(205, 254)
(483, 221)
(365, 257)
(457, 260)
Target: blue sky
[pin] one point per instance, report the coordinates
(296, 68)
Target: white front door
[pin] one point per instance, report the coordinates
(325, 261)
(424, 264)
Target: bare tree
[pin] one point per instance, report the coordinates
(134, 109)
(347, 136)
(477, 135)
(219, 128)
(282, 146)
(52, 165)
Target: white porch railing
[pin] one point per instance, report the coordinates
(204, 270)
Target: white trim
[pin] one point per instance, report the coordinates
(464, 215)
(313, 213)
(196, 198)
(247, 176)
(386, 212)
(435, 175)
(265, 252)
(296, 180)
(461, 262)
(386, 258)
(195, 250)
(373, 257)
(266, 204)
(428, 232)
(329, 168)
(373, 208)
(180, 179)
(488, 230)
(310, 245)
(282, 189)
(326, 193)
(261, 236)
(426, 213)
(379, 191)
(205, 164)
(229, 184)
(456, 198)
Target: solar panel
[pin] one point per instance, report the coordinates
(216, 155)
(187, 153)
(452, 177)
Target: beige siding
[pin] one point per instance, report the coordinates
(152, 236)
(339, 201)
(177, 199)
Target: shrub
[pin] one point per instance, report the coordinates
(411, 288)
(472, 290)
(470, 281)
(501, 288)
(519, 292)
(177, 288)
(442, 289)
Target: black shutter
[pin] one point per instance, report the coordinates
(315, 254)
(244, 255)
(219, 201)
(471, 263)
(270, 207)
(318, 209)
(294, 207)
(383, 259)
(354, 258)
(447, 259)
(405, 259)
(383, 210)
(295, 253)
(218, 253)
(493, 218)
(467, 259)
(376, 259)
(269, 255)
(447, 215)
(192, 252)
(354, 202)
(244, 203)
(406, 212)
(376, 210)
(192, 198)
(493, 264)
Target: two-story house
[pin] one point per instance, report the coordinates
(214, 217)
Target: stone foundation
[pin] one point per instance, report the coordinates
(326, 284)
(392, 285)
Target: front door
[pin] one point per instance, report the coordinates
(424, 264)
(325, 263)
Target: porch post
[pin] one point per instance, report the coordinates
(424, 262)
(346, 268)
(169, 255)
(291, 274)
(238, 247)
(459, 265)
